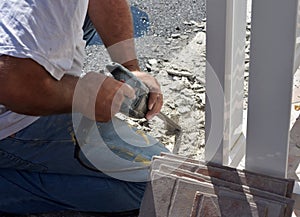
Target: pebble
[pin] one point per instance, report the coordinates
(153, 62)
(184, 37)
(175, 48)
(201, 38)
(175, 35)
(247, 66)
(148, 67)
(196, 86)
(183, 110)
(179, 73)
(202, 97)
(197, 29)
(176, 85)
(193, 22)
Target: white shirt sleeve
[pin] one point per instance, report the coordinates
(47, 31)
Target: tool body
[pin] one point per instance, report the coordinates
(138, 107)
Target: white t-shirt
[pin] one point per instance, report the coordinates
(47, 31)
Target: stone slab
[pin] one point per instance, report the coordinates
(230, 203)
(274, 185)
(289, 203)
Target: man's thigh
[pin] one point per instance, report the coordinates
(50, 145)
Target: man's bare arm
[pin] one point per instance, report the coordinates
(27, 88)
(113, 22)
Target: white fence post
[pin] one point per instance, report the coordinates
(226, 30)
(273, 39)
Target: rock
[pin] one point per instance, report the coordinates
(186, 23)
(196, 86)
(200, 80)
(187, 92)
(202, 97)
(148, 67)
(179, 73)
(153, 62)
(193, 136)
(247, 67)
(175, 35)
(197, 29)
(176, 85)
(171, 105)
(184, 110)
(201, 37)
(184, 37)
(193, 22)
(175, 48)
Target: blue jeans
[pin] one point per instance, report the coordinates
(43, 167)
(41, 172)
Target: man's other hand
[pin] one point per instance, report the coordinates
(155, 101)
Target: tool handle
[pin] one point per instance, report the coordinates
(138, 107)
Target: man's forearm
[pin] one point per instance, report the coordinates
(27, 88)
(113, 21)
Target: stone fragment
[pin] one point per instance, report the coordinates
(183, 110)
(184, 37)
(175, 35)
(179, 73)
(176, 85)
(197, 29)
(153, 62)
(186, 23)
(148, 67)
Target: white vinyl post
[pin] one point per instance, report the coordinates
(226, 32)
(272, 51)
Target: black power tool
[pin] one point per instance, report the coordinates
(138, 107)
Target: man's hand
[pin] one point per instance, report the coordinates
(155, 101)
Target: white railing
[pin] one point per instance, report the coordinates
(226, 33)
(274, 58)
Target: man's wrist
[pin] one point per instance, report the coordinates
(123, 52)
(132, 65)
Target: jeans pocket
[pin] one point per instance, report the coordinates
(11, 161)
